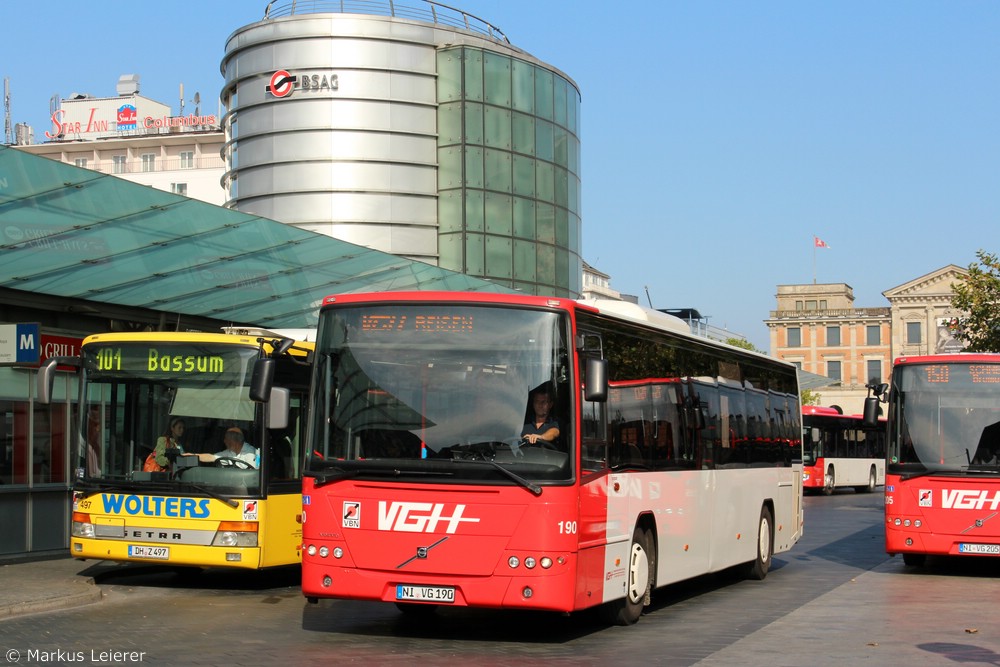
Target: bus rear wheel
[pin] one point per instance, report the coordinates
(641, 566)
(829, 481)
(758, 567)
(872, 482)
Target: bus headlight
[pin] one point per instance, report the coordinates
(236, 534)
(82, 527)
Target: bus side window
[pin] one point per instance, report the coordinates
(593, 435)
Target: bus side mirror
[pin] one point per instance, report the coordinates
(596, 385)
(262, 380)
(46, 375)
(278, 408)
(814, 434)
(870, 417)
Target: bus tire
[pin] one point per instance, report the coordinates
(914, 560)
(758, 567)
(872, 482)
(829, 481)
(640, 570)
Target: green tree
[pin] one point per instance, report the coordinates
(978, 296)
(808, 397)
(743, 343)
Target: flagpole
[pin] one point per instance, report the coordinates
(814, 259)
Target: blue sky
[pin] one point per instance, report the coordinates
(719, 136)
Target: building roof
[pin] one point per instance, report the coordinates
(75, 233)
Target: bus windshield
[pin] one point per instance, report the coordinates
(948, 416)
(151, 408)
(438, 393)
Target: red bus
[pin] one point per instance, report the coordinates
(840, 451)
(942, 484)
(676, 456)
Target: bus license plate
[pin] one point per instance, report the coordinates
(965, 548)
(425, 593)
(139, 551)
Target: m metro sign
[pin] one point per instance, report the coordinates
(20, 343)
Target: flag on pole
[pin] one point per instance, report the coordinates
(819, 243)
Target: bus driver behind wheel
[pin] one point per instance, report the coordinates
(237, 452)
(542, 428)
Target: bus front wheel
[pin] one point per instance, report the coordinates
(758, 567)
(641, 566)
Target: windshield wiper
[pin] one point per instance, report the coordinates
(208, 492)
(529, 485)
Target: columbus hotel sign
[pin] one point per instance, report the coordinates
(126, 120)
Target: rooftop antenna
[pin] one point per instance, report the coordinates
(197, 103)
(646, 287)
(8, 131)
(182, 99)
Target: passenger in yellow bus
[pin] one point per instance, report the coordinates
(93, 442)
(541, 426)
(236, 448)
(171, 440)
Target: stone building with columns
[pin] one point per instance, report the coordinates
(818, 328)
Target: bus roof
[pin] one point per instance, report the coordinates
(243, 339)
(611, 307)
(955, 358)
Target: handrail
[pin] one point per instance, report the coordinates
(429, 11)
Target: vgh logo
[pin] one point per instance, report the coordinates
(969, 500)
(419, 517)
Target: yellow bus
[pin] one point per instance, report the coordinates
(187, 447)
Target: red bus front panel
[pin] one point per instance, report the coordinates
(942, 515)
(486, 547)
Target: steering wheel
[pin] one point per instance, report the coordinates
(544, 444)
(231, 462)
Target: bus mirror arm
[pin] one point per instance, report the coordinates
(46, 375)
(262, 380)
(596, 386)
(876, 395)
(277, 408)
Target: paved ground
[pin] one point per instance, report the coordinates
(861, 607)
(46, 585)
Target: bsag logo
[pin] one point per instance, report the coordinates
(419, 517)
(969, 500)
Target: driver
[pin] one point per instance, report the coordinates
(543, 426)
(236, 448)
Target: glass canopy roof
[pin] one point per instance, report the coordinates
(75, 233)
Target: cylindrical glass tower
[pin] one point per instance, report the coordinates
(422, 133)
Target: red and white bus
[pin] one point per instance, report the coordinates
(942, 485)
(676, 456)
(840, 451)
